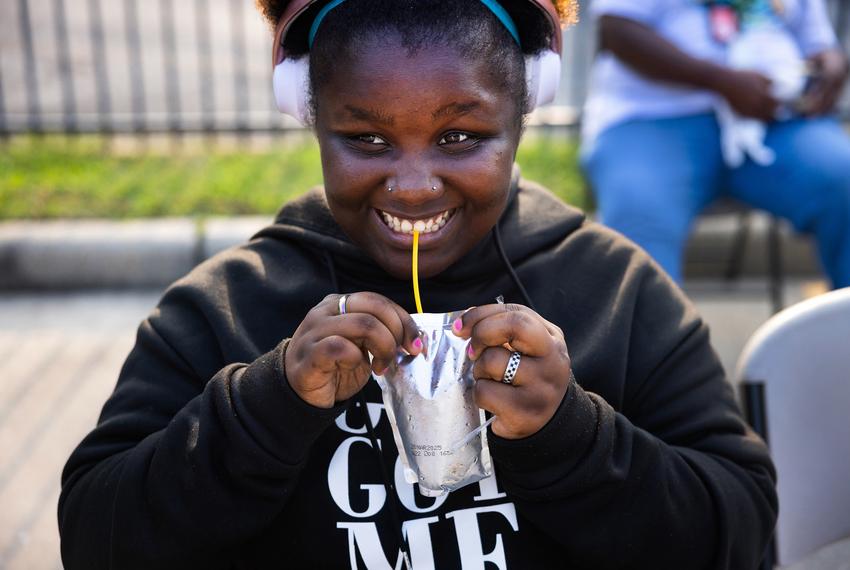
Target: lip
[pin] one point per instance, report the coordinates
(405, 241)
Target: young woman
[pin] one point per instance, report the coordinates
(245, 430)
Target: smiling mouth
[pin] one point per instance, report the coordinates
(423, 226)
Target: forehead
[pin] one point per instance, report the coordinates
(437, 79)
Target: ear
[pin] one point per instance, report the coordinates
(542, 75)
(291, 83)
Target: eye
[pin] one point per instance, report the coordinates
(368, 143)
(454, 138)
(456, 141)
(370, 140)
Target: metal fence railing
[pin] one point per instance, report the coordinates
(179, 66)
(134, 66)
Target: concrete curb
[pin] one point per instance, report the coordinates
(112, 254)
(153, 253)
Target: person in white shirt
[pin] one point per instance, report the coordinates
(681, 111)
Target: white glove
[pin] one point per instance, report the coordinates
(741, 137)
(770, 50)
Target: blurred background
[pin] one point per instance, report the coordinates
(138, 138)
(165, 108)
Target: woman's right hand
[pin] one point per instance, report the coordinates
(327, 360)
(748, 93)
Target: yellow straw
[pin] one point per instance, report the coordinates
(416, 271)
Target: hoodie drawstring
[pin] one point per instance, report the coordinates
(497, 236)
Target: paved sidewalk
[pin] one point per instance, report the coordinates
(60, 355)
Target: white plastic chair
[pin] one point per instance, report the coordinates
(795, 375)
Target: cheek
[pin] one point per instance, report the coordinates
(335, 166)
(347, 181)
(493, 175)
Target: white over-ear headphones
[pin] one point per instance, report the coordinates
(291, 78)
(291, 83)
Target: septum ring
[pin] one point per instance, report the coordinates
(511, 369)
(343, 300)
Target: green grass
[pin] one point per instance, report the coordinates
(553, 162)
(56, 177)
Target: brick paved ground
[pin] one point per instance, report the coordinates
(59, 357)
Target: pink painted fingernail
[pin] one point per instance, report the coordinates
(457, 325)
(470, 351)
(417, 344)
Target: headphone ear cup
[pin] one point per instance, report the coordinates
(542, 76)
(291, 85)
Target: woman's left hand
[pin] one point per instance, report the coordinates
(525, 405)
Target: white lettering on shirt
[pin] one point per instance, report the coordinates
(338, 474)
(472, 556)
(375, 411)
(363, 536)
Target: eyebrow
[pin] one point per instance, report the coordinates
(369, 115)
(376, 116)
(455, 109)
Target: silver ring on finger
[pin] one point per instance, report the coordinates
(342, 304)
(511, 369)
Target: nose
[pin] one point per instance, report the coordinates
(414, 180)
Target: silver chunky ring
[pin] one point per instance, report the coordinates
(513, 366)
(342, 302)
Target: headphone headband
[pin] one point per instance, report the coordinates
(492, 5)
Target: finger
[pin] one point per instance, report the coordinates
(495, 397)
(519, 413)
(413, 338)
(462, 327)
(492, 365)
(398, 321)
(336, 352)
(554, 330)
(515, 408)
(368, 333)
(522, 330)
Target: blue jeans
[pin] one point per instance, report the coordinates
(652, 177)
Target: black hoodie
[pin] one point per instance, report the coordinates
(204, 457)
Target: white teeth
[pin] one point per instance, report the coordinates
(422, 226)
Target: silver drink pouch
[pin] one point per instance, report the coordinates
(438, 428)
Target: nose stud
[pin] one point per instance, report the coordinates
(390, 188)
